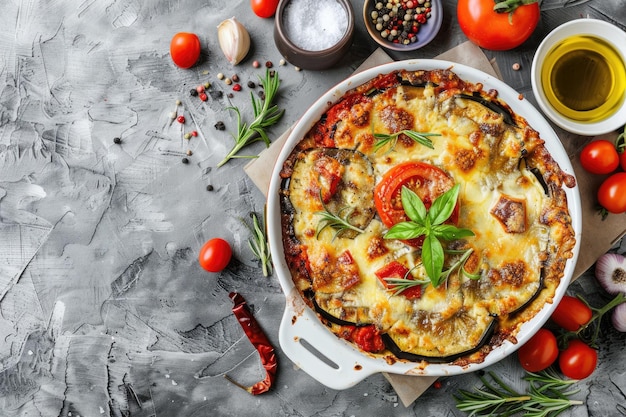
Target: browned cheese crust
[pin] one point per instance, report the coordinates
(512, 197)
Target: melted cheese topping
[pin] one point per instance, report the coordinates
(501, 200)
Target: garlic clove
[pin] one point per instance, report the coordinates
(234, 40)
(618, 318)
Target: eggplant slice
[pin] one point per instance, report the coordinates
(343, 178)
(475, 333)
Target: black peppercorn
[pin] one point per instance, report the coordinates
(117, 140)
(220, 125)
(185, 161)
(193, 92)
(251, 84)
(216, 94)
(209, 187)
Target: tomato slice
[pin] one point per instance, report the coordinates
(425, 180)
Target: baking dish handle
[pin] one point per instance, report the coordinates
(317, 351)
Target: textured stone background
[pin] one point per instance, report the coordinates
(103, 307)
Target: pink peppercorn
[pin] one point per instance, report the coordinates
(180, 119)
(194, 133)
(200, 89)
(237, 87)
(203, 97)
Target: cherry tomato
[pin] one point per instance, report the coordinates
(571, 313)
(612, 193)
(264, 8)
(496, 31)
(539, 352)
(622, 160)
(185, 49)
(578, 360)
(427, 181)
(215, 255)
(599, 157)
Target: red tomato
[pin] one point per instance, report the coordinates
(622, 159)
(539, 352)
(185, 49)
(612, 193)
(427, 181)
(368, 338)
(264, 8)
(496, 31)
(571, 313)
(578, 360)
(215, 255)
(395, 269)
(599, 157)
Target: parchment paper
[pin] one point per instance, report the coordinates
(597, 235)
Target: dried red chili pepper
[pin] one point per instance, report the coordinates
(259, 340)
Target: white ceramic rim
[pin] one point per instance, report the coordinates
(601, 29)
(300, 322)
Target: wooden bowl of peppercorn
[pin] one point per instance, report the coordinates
(403, 25)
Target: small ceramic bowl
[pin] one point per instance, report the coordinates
(554, 49)
(427, 31)
(314, 34)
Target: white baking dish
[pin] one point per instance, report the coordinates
(337, 364)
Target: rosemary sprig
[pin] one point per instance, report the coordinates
(259, 246)
(459, 265)
(398, 285)
(266, 114)
(383, 139)
(335, 221)
(401, 284)
(547, 396)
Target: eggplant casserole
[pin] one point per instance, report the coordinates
(424, 220)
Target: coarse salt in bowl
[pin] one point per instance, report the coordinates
(314, 34)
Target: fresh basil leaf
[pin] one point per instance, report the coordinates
(405, 231)
(443, 206)
(432, 259)
(413, 205)
(450, 232)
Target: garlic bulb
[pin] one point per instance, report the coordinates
(611, 272)
(234, 40)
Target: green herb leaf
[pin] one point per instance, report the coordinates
(547, 395)
(406, 231)
(442, 207)
(413, 205)
(429, 223)
(336, 221)
(433, 258)
(383, 139)
(450, 232)
(259, 246)
(265, 113)
(398, 285)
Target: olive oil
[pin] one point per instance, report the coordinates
(584, 78)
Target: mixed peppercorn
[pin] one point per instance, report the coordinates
(399, 21)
